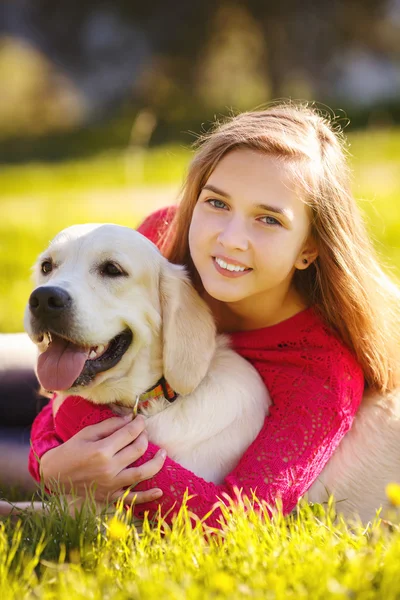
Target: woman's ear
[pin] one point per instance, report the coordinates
(307, 255)
(189, 332)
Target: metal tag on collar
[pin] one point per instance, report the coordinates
(136, 406)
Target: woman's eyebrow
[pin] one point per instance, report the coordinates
(214, 189)
(276, 209)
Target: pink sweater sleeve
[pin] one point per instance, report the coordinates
(303, 429)
(285, 459)
(43, 438)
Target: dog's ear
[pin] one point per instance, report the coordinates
(189, 333)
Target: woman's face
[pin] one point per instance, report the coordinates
(249, 230)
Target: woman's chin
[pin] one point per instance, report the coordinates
(224, 293)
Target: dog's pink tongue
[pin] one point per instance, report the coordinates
(60, 365)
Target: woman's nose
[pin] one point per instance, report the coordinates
(234, 235)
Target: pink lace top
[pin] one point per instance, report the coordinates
(315, 385)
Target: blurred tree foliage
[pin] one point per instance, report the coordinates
(75, 74)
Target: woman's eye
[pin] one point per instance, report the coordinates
(110, 269)
(46, 267)
(217, 203)
(270, 221)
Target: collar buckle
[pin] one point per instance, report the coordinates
(161, 388)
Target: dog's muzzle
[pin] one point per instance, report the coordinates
(68, 363)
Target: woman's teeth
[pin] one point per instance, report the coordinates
(228, 266)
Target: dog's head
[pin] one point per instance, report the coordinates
(110, 315)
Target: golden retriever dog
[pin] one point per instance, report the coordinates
(112, 319)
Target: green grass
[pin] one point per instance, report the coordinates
(108, 170)
(305, 555)
(376, 165)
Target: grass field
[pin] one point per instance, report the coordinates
(38, 200)
(306, 555)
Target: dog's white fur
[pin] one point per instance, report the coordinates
(222, 401)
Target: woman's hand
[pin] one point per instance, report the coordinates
(97, 458)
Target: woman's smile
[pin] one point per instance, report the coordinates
(229, 267)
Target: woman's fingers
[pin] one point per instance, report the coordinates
(103, 429)
(132, 452)
(105, 450)
(134, 475)
(124, 436)
(141, 497)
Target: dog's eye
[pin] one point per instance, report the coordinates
(110, 269)
(46, 267)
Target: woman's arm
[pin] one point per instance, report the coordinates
(43, 439)
(99, 454)
(298, 437)
(301, 433)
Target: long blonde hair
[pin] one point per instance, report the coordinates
(345, 284)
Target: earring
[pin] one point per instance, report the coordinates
(305, 261)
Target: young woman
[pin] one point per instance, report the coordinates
(274, 242)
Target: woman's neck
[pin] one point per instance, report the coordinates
(254, 313)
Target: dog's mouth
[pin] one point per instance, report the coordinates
(65, 364)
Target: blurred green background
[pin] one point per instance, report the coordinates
(101, 101)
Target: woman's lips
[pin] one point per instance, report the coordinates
(227, 273)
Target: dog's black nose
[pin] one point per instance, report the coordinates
(49, 301)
